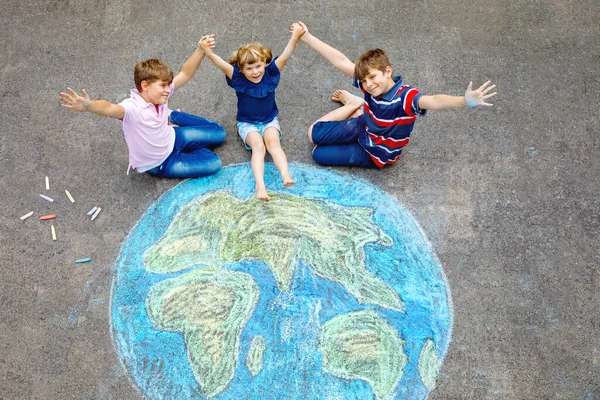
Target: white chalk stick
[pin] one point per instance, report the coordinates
(47, 184)
(93, 210)
(96, 213)
(24, 217)
(69, 196)
(50, 199)
(53, 232)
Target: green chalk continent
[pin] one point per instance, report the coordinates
(362, 345)
(210, 307)
(428, 365)
(254, 360)
(217, 228)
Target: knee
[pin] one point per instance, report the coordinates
(272, 145)
(310, 129)
(258, 148)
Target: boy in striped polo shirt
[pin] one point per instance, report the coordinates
(372, 132)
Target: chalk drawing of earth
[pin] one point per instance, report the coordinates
(328, 291)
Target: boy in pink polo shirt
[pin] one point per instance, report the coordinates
(162, 142)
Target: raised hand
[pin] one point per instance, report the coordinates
(474, 98)
(302, 25)
(73, 101)
(296, 30)
(207, 43)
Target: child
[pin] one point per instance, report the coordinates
(254, 76)
(162, 142)
(375, 137)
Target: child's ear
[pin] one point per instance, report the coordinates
(144, 85)
(388, 71)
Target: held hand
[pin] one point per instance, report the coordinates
(305, 32)
(474, 98)
(74, 101)
(296, 30)
(207, 43)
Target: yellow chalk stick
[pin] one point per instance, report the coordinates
(53, 232)
(47, 184)
(69, 196)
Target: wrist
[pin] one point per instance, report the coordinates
(87, 105)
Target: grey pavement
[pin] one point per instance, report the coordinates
(507, 195)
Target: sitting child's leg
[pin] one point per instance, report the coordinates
(208, 132)
(273, 144)
(350, 109)
(350, 154)
(188, 159)
(255, 142)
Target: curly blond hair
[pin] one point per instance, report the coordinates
(249, 54)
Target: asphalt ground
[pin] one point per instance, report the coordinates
(507, 195)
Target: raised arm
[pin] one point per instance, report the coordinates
(73, 101)
(296, 31)
(207, 43)
(472, 98)
(189, 67)
(335, 57)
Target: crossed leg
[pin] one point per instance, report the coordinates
(351, 108)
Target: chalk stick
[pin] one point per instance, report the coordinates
(47, 217)
(50, 199)
(47, 184)
(96, 213)
(93, 210)
(83, 260)
(69, 196)
(24, 217)
(53, 232)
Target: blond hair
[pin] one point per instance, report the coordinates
(150, 71)
(250, 54)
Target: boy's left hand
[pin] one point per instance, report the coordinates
(474, 98)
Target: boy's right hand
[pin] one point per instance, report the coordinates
(74, 101)
(207, 43)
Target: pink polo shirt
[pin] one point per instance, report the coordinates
(149, 137)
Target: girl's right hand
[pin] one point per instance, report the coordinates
(207, 42)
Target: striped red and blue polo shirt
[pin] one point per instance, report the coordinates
(389, 121)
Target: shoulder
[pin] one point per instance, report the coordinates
(237, 78)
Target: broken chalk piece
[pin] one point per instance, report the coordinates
(24, 217)
(93, 210)
(47, 217)
(47, 184)
(83, 260)
(96, 213)
(69, 196)
(53, 232)
(50, 199)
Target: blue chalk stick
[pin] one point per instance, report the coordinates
(83, 260)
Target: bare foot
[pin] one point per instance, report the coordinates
(341, 96)
(287, 182)
(262, 194)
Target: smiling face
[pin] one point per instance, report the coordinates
(254, 72)
(156, 92)
(378, 82)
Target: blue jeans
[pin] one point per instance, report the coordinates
(337, 143)
(190, 157)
